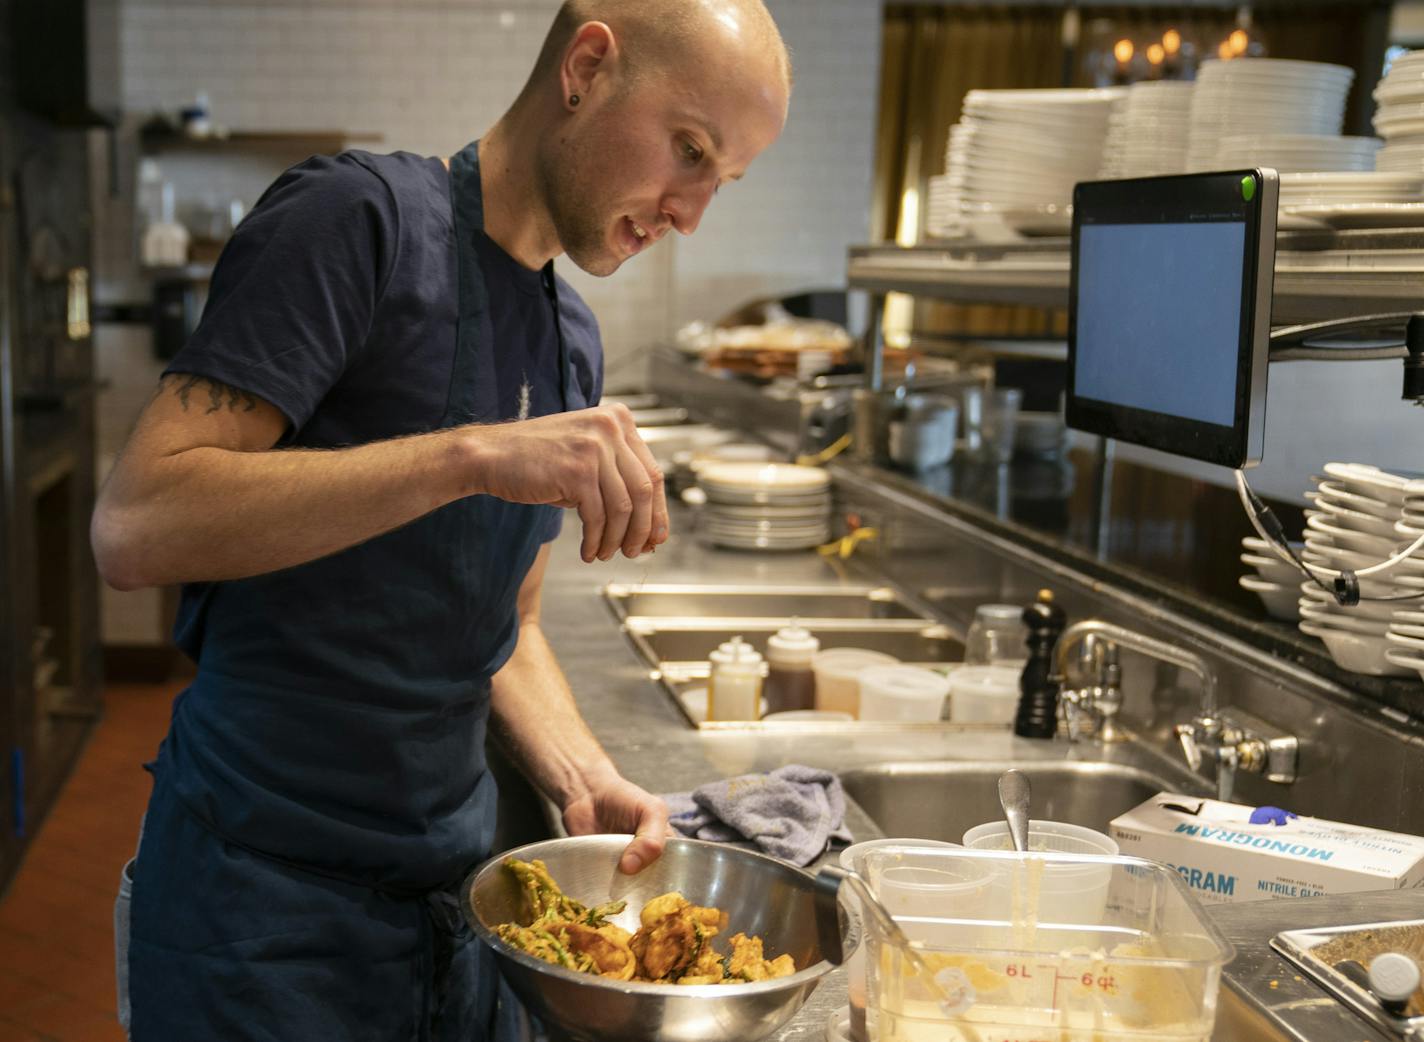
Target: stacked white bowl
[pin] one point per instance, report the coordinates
(1359, 509)
(1399, 114)
(1295, 153)
(766, 506)
(1263, 96)
(1147, 132)
(1015, 155)
(1275, 581)
(1406, 628)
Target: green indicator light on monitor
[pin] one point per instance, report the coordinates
(1248, 187)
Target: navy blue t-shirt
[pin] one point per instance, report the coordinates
(336, 300)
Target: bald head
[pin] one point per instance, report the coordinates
(661, 35)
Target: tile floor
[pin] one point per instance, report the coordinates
(56, 920)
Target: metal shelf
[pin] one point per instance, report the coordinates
(1319, 275)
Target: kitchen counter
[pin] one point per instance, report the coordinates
(653, 746)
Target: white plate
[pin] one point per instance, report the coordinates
(1280, 601)
(1368, 480)
(1356, 652)
(1402, 640)
(1365, 611)
(767, 477)
(1348, 539)
(1272, 568)
(1407, 659)
(1354, 520)
(1313, 612)
(1368, 504)
(1365, 215)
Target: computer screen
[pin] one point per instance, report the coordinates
(1170, 309)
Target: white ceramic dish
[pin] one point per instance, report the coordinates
(1376, 611)
(1368, 480)
(1378, 547)
(1366, 504)
(1272, 569)
(1313, 612)
(1406, 659)
(1404, 640)
(1281, 601)
(1365, 215)
(1355, 652)
(1356, 520)
(766, 477)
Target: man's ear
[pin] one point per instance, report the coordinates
(588, 60)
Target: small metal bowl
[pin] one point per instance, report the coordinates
(762, 897)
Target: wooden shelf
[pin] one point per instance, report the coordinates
(305, 142)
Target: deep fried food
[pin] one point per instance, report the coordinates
(672, 946)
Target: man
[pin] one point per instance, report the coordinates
(355, 467)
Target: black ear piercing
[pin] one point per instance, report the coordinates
(574, 100)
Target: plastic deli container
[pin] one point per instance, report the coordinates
(837, 674)
(1066, 893)
(984, 694)
(1146, 967)
(905, 693)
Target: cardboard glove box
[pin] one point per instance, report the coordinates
(1223, 857)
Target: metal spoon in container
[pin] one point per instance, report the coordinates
(1014, 794)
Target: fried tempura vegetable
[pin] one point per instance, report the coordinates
(544, 901)
(748, 963)
(672, 946)
(606, 947)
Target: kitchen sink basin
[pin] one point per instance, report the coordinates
(680, 645)
(943, 800)
(764, 602)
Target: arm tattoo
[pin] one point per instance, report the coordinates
(219, 394)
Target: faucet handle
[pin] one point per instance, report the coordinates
(1187, 735)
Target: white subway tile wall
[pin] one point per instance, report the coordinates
(432, 74)
(429, 76)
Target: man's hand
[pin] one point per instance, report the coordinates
(591, 460)
(617, 805)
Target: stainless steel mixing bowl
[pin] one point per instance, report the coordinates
(761, 895)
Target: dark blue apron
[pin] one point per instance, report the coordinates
(315, 803)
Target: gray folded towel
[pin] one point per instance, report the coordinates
(790, 813)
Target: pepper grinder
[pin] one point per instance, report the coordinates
(1037, 715)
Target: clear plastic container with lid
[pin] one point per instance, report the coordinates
(997, 637)
(838, 676)
(790, 684)
(1145, 965)
(734, 688)
(904, 693)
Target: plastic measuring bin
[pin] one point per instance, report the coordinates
(1150, 968)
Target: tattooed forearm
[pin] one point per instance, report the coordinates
(218, 394)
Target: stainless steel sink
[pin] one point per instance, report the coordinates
(680, 645)
(942, 800)
(768, 602)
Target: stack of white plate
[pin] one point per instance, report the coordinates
(1147, 132)
(944, 217)
(1258, 96)
(1275, 581)
(1015, 155)
(1292, 153)
(1406, 628)
(766, 506)
(1399, 113)
(1347, 199)
(1355, 525)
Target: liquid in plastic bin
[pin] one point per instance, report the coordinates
(1149, 967)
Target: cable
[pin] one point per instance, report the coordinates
(1346, 588)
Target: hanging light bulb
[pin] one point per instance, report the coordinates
(1238, 41)
(1123, 50)
(1156, 53)
(1171, 41)
(1224, 51)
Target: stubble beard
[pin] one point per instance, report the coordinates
(577, 217)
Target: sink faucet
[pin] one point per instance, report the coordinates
(1090, 707)
(1231, 740)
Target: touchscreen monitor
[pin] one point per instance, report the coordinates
(1169, 315)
